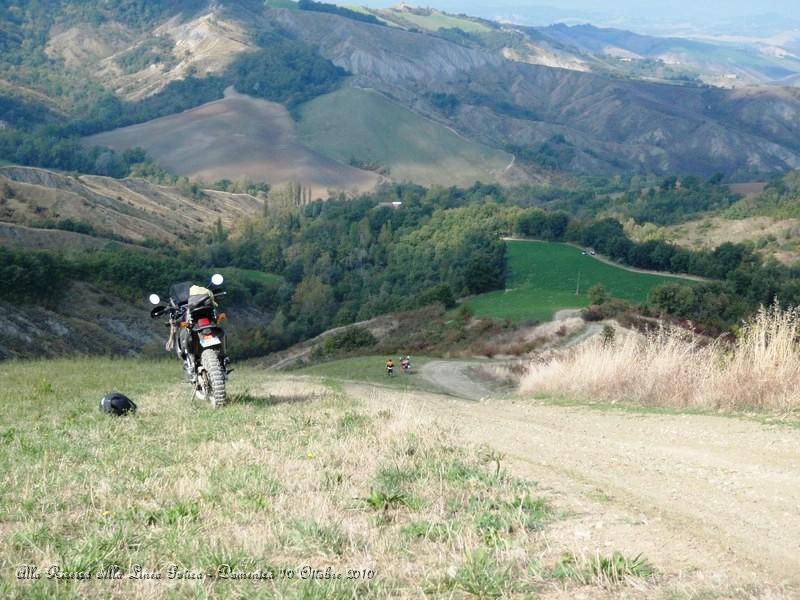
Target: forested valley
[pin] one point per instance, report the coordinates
(404, 247)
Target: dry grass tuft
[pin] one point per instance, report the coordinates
(760, 371)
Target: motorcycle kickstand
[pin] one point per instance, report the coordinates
(193, 400)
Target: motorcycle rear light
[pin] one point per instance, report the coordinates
(204, 322)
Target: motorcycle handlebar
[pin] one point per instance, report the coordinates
(174, 307)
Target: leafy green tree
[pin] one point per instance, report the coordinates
(284, 70)
(673, 298)
(439, 294)
(597, 294)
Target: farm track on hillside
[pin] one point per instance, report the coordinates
(691, 492)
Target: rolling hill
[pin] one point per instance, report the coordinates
(98, 209)
(365, 127)
(238, 137)
(407, 16)
(546, 96)
(607, 124)
(727, 65)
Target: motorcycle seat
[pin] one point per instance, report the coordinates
(198, 300)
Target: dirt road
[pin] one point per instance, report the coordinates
(706, 498)
(453, 377)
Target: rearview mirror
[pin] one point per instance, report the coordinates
(154, 299)
(217, 279)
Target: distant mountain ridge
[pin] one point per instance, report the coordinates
(725, 65)
(607, 123)
(530, 93)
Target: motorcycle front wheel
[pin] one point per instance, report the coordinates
(212, 388)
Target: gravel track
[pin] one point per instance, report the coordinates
(710, 494)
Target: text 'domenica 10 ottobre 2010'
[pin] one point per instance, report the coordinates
(176, 572)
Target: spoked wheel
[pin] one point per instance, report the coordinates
(211, 382)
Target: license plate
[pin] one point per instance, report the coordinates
(209, 341)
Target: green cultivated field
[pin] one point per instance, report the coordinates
(366, 126)
(544, 277)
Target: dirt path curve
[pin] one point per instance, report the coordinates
(453, 377)
(590, 330)
(717, 494)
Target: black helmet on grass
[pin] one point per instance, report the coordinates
(117, 404)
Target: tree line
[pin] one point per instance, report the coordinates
(738, 279)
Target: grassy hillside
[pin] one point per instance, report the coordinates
(766, 218)
(544, 277)
(771, 237)
(429, 19)
(292, 475)
(756, 373)
(366, 127)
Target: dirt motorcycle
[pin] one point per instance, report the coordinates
(406, 365)
(197, 337)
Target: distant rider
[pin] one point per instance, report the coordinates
(390, 367)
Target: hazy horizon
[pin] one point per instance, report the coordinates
(720, 16)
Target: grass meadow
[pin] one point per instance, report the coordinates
(544, 278)
(292, 485)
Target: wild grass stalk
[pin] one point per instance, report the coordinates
(759, 371)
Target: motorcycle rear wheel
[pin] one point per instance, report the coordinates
(214, 379)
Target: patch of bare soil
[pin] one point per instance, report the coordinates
(750, 188)
(711, 501)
